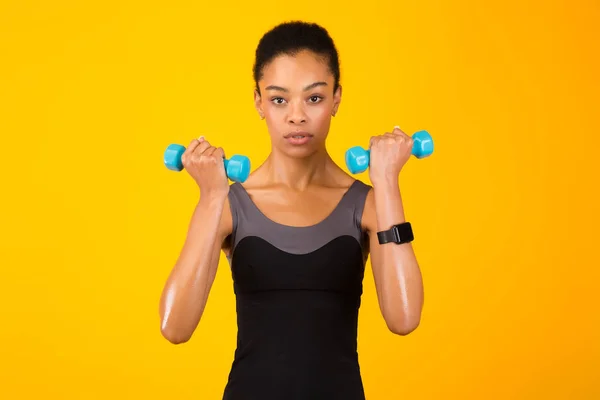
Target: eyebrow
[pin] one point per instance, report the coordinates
(309, 87)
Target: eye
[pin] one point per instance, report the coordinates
(277, 100)
(315, 99)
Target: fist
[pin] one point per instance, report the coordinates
(389, 153)
(205, 164)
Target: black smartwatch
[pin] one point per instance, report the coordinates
(401, 233)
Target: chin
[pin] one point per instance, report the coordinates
(301, 151)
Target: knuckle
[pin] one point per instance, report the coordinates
(207, 160)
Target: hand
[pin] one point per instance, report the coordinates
(389, 153)
(206, 166)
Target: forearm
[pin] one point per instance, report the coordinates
(185, 294)
(400, 275)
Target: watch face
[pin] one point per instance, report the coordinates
(405, 233)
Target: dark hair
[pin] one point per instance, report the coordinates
(290, 38)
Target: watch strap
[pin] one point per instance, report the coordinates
(401, 233)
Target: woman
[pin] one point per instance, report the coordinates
(297, 234)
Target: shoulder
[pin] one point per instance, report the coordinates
(369, 217)
(228, 219)
(363, 202)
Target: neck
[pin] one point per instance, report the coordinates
(297, 173)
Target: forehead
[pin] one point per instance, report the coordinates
(298, 70)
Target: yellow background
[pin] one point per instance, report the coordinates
(505, 212)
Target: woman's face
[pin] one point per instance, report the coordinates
(297, 102)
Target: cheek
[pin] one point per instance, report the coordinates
(274, 113)
(320, 116)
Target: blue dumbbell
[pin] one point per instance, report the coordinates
(237, 167)
(357, 158)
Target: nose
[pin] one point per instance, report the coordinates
(297, 114)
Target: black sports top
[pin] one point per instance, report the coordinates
(298, 292)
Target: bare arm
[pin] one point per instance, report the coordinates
(186, 291)
(396, 271)
(395, 268)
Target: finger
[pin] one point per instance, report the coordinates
(202, 147)
(190, 150)
(398, 131)
(219, 152)
(192, 146)
(209, 152)
(391, 139)
(373, 141)
(199, 151)
(399, 134)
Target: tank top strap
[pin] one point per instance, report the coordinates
(243, 211)
(354, 201)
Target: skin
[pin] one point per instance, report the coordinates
(296, 186)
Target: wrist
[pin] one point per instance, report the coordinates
(212, 198)
(388, 203)
(399, 233)
(386, 183)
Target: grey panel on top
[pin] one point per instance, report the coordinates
(345, 219)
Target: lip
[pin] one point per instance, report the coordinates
(298, 133)
(306, 137)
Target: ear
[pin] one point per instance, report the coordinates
(258, 105)
(337, 99)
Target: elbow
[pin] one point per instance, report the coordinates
(174, 335)
(403, 330)
(403, 326)
(172, 327)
